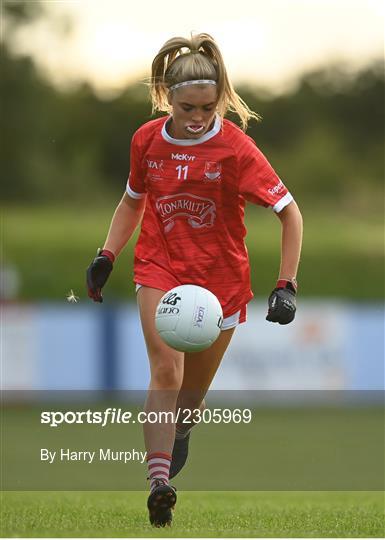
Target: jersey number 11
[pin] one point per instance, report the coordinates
(182, 169)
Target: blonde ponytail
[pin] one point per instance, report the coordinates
(199, 57)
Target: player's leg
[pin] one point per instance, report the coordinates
(199, 371)
(166, 366)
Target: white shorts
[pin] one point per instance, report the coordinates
(228, 322)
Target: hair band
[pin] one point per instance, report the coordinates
(197, 81)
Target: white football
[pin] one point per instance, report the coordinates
(189, 318)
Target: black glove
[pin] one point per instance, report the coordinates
(98, 272)
(282, 304)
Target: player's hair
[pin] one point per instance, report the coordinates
(202, 60)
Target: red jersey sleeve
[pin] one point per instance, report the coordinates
(258, 182)
(135, 183)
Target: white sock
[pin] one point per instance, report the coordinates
(158, 468)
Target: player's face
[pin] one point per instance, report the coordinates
(193, 110)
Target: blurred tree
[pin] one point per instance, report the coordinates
(15, 13)
(325, 138)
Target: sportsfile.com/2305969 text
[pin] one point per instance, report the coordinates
(112, 415)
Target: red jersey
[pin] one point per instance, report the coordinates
(193, 226)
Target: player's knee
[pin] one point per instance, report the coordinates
(168, 377)
(166, 372)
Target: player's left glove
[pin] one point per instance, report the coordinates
(98, 272)
(282, 303)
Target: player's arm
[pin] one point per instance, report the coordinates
(282, 301)
(291, 220)
(126, 217)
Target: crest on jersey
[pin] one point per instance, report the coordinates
(213, 171)
(197, 211)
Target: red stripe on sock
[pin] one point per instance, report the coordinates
(152, 465)
(159, 455)
(159, 474)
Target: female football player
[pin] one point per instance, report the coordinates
(191, 173)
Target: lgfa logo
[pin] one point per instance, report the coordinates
(182, 157)
(152, 164)
(199, 316)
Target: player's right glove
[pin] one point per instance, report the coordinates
(282, 303)
(98, 272)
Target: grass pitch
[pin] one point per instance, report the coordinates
(198, 514)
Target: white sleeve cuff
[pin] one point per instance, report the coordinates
(280, 205)
(134, 194)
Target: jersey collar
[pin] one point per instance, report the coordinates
(192, 142)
